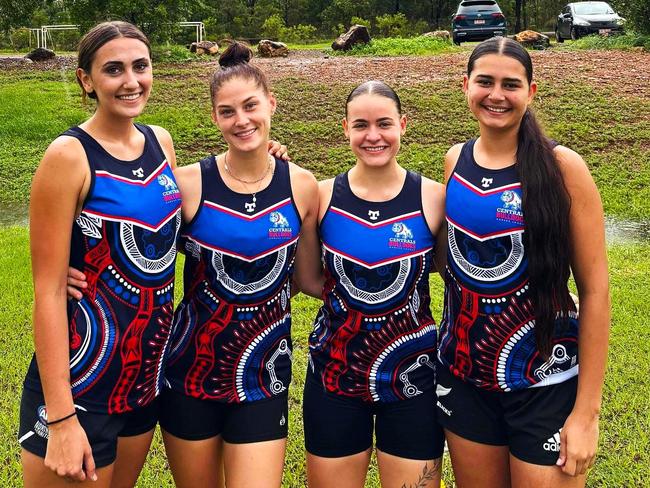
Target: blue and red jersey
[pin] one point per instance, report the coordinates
(232, 335)
(487, 334)
(374, 337)
(124, 241)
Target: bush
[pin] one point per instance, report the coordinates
(298, 33)
(412, 46)
(392, 25)
(624, 41)
(360, 21)
(171, 53)
(273, 27)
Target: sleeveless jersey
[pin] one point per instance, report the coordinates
(124, 241)
(374, 337)
(232, 332)
(487, 334)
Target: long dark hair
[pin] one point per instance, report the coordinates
(100, 35)
(234, 62)
(546, 205)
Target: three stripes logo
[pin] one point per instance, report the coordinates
(553, 443)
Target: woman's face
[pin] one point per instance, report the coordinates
(120, 76)
(374, 127)
(242, 111)
(497, 91)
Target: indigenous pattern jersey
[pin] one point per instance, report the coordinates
(124, 241)
(487, 335)
(232, 330)
(374, 337)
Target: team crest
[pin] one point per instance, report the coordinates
(403, 237)
(280, 229)
(40, 427)
(511, 209)
(171, 192)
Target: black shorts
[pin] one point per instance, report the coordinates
(527, 421)
(337, 426)
(102, 430)
(192, 419)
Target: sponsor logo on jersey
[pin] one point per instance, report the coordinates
(441, 391)
(280, 229)
(510, 211)
(283, 420)
(552, 444)
(486, 182)
(403, 238)
(373, 214)
(138, 172)
(171, 192)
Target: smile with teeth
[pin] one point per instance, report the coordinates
(130, 96)
(374, 148)
(498, 110)
(245, 134)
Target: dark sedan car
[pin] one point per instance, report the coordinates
(477, 20)
(583, 18)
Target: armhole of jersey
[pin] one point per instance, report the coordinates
(329, 204)
(418, 180)
(460, 154)
(211, 159)
(293, 200)
(79, 135)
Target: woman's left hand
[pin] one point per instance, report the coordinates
(578, 443)
(278, 150)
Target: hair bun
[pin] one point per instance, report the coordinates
(236, 53)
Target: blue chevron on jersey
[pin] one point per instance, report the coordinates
(244, 236)
(495, 213)
(136, 201)
(376, 243)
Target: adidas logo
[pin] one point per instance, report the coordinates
(553, 443)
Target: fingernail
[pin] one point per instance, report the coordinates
(94, 477)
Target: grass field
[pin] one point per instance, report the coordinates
(611, 131)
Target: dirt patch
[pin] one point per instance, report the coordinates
(624, 71)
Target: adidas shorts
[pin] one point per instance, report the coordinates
(337, 426)
(192, 419)
(527, 421)
(102, 430)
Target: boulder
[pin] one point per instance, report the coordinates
(442, 34)
(40, 54)
(272, 49)
(205, 47)
(358, 34)
(529, 38)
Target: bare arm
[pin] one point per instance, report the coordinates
(59, 186)
(309, 273)
(589, 266)
(189, 183)
(165, 140)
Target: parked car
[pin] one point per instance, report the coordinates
(583, 18)
(477, 20)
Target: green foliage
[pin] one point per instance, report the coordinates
(628, 40)
(392, 25)
(637, 13)
(173, 53)
(273, 27)
(14, 12)
(359, 21)
(392, 46)
(298, 33)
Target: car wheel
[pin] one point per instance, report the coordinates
(574, 34)
(558, 37)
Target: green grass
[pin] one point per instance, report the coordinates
(396, 46)
(628, 40)
(624, 456)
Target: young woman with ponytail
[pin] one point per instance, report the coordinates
(523, 213)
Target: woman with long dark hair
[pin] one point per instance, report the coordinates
(523, 213)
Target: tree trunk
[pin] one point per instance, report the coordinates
(517, 16)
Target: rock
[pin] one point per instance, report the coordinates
(532, 39)
(40, 54)
(205, 47)
(442, 34)
(26, 61)
(272, 49)
(358, 34)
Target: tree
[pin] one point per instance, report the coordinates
(13, 13)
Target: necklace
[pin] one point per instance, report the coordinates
(250, 206)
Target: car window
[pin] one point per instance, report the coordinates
(478, 6)
(592, 8)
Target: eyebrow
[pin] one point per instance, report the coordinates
(139, 60)
(509, 80)
(245, 101)
(383, 119)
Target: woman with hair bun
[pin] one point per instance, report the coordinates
(103, 199)
(523, 213)
(230, 365)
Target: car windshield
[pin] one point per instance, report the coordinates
(478, 6)
(592, 8)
